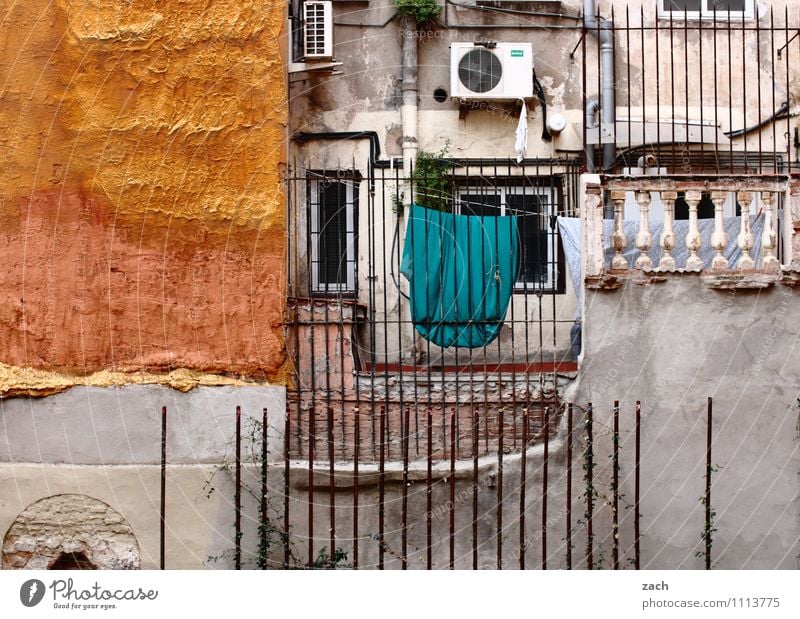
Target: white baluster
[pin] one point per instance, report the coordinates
(693, 238)
(745, 238)
(719, 240)
(644, 239)
(667, 239)
(791, 222)
(592, 213)
(618, 238)
(769, 238)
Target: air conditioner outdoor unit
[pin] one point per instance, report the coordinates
(318, 30)
(504, 71)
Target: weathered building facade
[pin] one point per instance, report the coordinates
(143, 237)
(601, 378)
(684, 114)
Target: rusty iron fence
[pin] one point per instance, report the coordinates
(350, 334)
(697, 93)
(566, 521)
(397, 453)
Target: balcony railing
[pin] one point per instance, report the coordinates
(741, 231)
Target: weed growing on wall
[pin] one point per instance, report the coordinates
(434, 186)
(423, 11)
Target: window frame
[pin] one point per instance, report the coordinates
(708, 14)
(549, 192)
(314, 181)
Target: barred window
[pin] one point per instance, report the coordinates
(706, 9)
(541, 262)
(333, 203)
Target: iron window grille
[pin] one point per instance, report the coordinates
(706, 9)
(333, 217)
(541, 259)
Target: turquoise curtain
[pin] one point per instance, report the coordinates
(461, 271)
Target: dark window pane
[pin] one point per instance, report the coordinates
(726, 5)
(531, 214)
(682, 5)
(482, 204)
(705, 210)
(332, 237)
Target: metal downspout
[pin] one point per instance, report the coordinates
(601, 28)
(408, 110)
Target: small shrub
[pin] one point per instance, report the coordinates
(423, 11)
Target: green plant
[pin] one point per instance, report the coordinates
(433, 182)
(271, 536)
(707, 535)
(423, 11)
(325, 562)
(397, 203)
(709, 528)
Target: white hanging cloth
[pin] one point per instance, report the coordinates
(521, 143)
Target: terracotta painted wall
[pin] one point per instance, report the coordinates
(141, 212)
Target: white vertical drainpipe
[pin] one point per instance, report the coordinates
(409, 107)
(408, 120)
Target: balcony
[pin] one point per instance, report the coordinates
(737, 232)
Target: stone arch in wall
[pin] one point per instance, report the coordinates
(52, 532)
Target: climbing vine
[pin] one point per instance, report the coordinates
(271, 535)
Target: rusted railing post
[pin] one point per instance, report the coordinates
(589, 466)
(262, 529)
(569, 487)
(709, 525)
(163, 524)
(237, 522)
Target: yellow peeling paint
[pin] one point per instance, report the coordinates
(18, 381)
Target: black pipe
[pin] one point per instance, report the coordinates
(539, 92)
(493, 9)
(374, 148)
(781, 113)
(738, 158)
(374, 144)
(528, 161)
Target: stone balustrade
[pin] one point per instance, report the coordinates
(749, 225)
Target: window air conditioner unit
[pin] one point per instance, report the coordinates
(318, 30)
(502, 71)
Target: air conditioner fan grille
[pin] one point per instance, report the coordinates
(480, 70)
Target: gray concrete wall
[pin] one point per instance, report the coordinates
(105, 443)
(122, 425)
(672, 345)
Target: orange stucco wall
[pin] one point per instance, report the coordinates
(142, 218)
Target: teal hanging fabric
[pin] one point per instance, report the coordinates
(461, 270)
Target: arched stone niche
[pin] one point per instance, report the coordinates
(52, 532)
